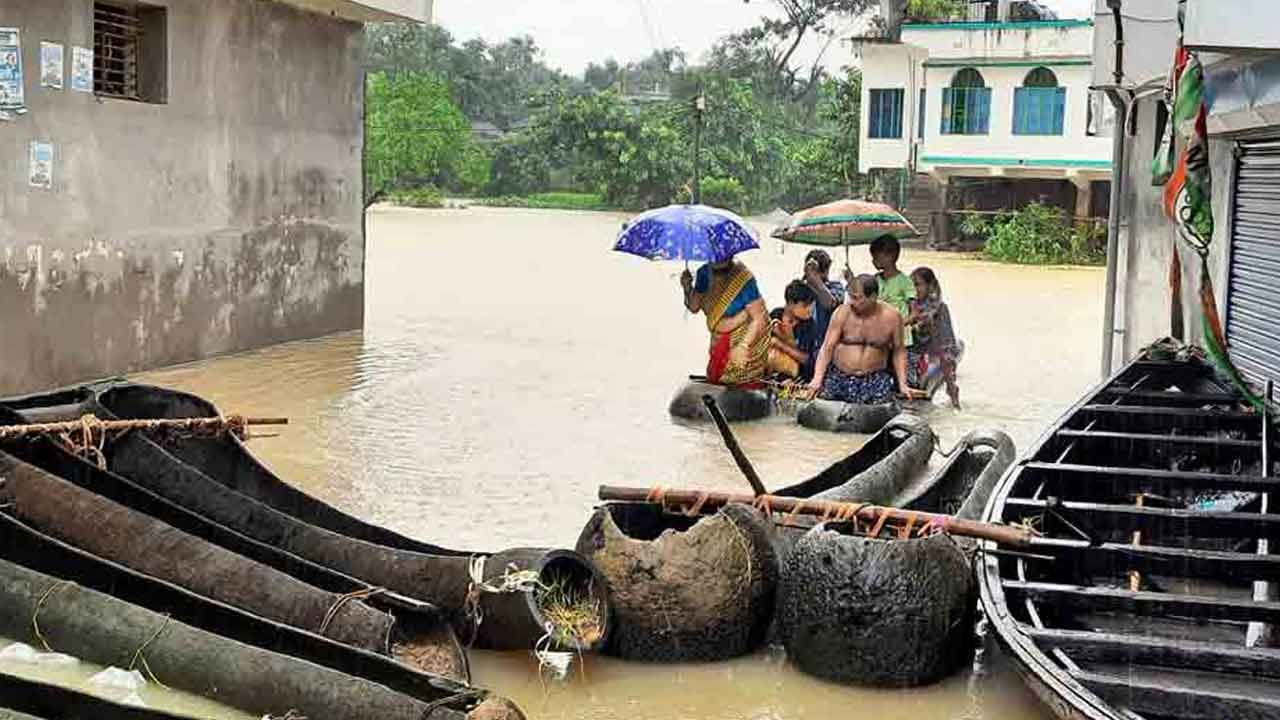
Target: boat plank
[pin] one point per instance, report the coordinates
(1168, 698)
(1147, 603)
(1151, 480)
(1152, 650)
(1160, 438)
(1153, 521)
(1174, 397)
(1113, 558)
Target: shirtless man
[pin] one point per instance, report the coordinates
(865, 334)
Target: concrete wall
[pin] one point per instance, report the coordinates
(889, 66)
(1148, 240)
(226, 219)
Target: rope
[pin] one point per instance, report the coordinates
(512, 581)
(342, 601)
(791, 516)
(657, 494)
(905, 531)
(937, 447)
(884, 517)
(696, 507)
(138, 656)
(35, 615)
(434, 704)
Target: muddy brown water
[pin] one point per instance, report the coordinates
(510, 364)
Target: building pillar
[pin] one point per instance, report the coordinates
(1084, 195)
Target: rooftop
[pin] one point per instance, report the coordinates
(369, 10)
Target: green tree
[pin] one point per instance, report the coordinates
(415, 135)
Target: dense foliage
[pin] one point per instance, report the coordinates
(776, 132)
(1040, 235)
(415, 135)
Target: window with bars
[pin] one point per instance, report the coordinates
(885, 121)
(966, 105)
(130, 51)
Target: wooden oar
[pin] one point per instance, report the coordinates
(709, 502)
(735, 450)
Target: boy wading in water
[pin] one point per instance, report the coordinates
(896, 289)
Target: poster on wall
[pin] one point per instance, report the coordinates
(81, 69)
(51, 65)
(41, 172)
(11, 100)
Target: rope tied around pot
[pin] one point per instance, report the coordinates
(342, 601)
(513, 580)
(139, 657)
(35, 614)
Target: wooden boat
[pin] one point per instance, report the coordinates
(220, 482)
(737, 404)
(29, 548)
(25, 699)
(101, 629)
(1139, 601)
(877, 471)
(653, 558)
(857, 607)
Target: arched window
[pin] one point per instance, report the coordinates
(1041, 77)
(966, 104)
(1039, 106)
(968, 78)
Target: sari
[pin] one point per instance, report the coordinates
(721, 370)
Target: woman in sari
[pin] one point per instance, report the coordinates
(727, 294)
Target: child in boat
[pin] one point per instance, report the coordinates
(933, 337)
(790, 324)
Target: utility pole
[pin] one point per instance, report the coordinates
(699, 107)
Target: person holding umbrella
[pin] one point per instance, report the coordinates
(723, 289)
(726, 293)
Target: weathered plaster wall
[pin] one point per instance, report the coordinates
(227, 218)
(1148, 239)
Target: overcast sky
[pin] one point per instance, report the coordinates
(573, 33)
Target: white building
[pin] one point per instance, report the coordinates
(998, 110)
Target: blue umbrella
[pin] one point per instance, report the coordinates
(687, 232)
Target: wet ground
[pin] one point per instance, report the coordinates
(510, 364)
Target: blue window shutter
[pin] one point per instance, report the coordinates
(924, 95)
(885, 114)
(1039, 111)
(948, 99)
(981, 111)
(1059, 110)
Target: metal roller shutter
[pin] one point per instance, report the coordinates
(1253, 298)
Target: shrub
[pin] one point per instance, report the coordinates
(422, 197)
(1039, 235)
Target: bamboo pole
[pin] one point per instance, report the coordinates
(708, 502)
(94, 424)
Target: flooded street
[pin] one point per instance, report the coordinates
(510, 364)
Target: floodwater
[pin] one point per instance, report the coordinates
(510, 364)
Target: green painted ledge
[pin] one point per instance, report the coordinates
(1014, 162)
(1028, 25)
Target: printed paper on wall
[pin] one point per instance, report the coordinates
(11, 99)
(41, 171)
(81, 69)
(51, 66)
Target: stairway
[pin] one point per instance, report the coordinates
(923, 199)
